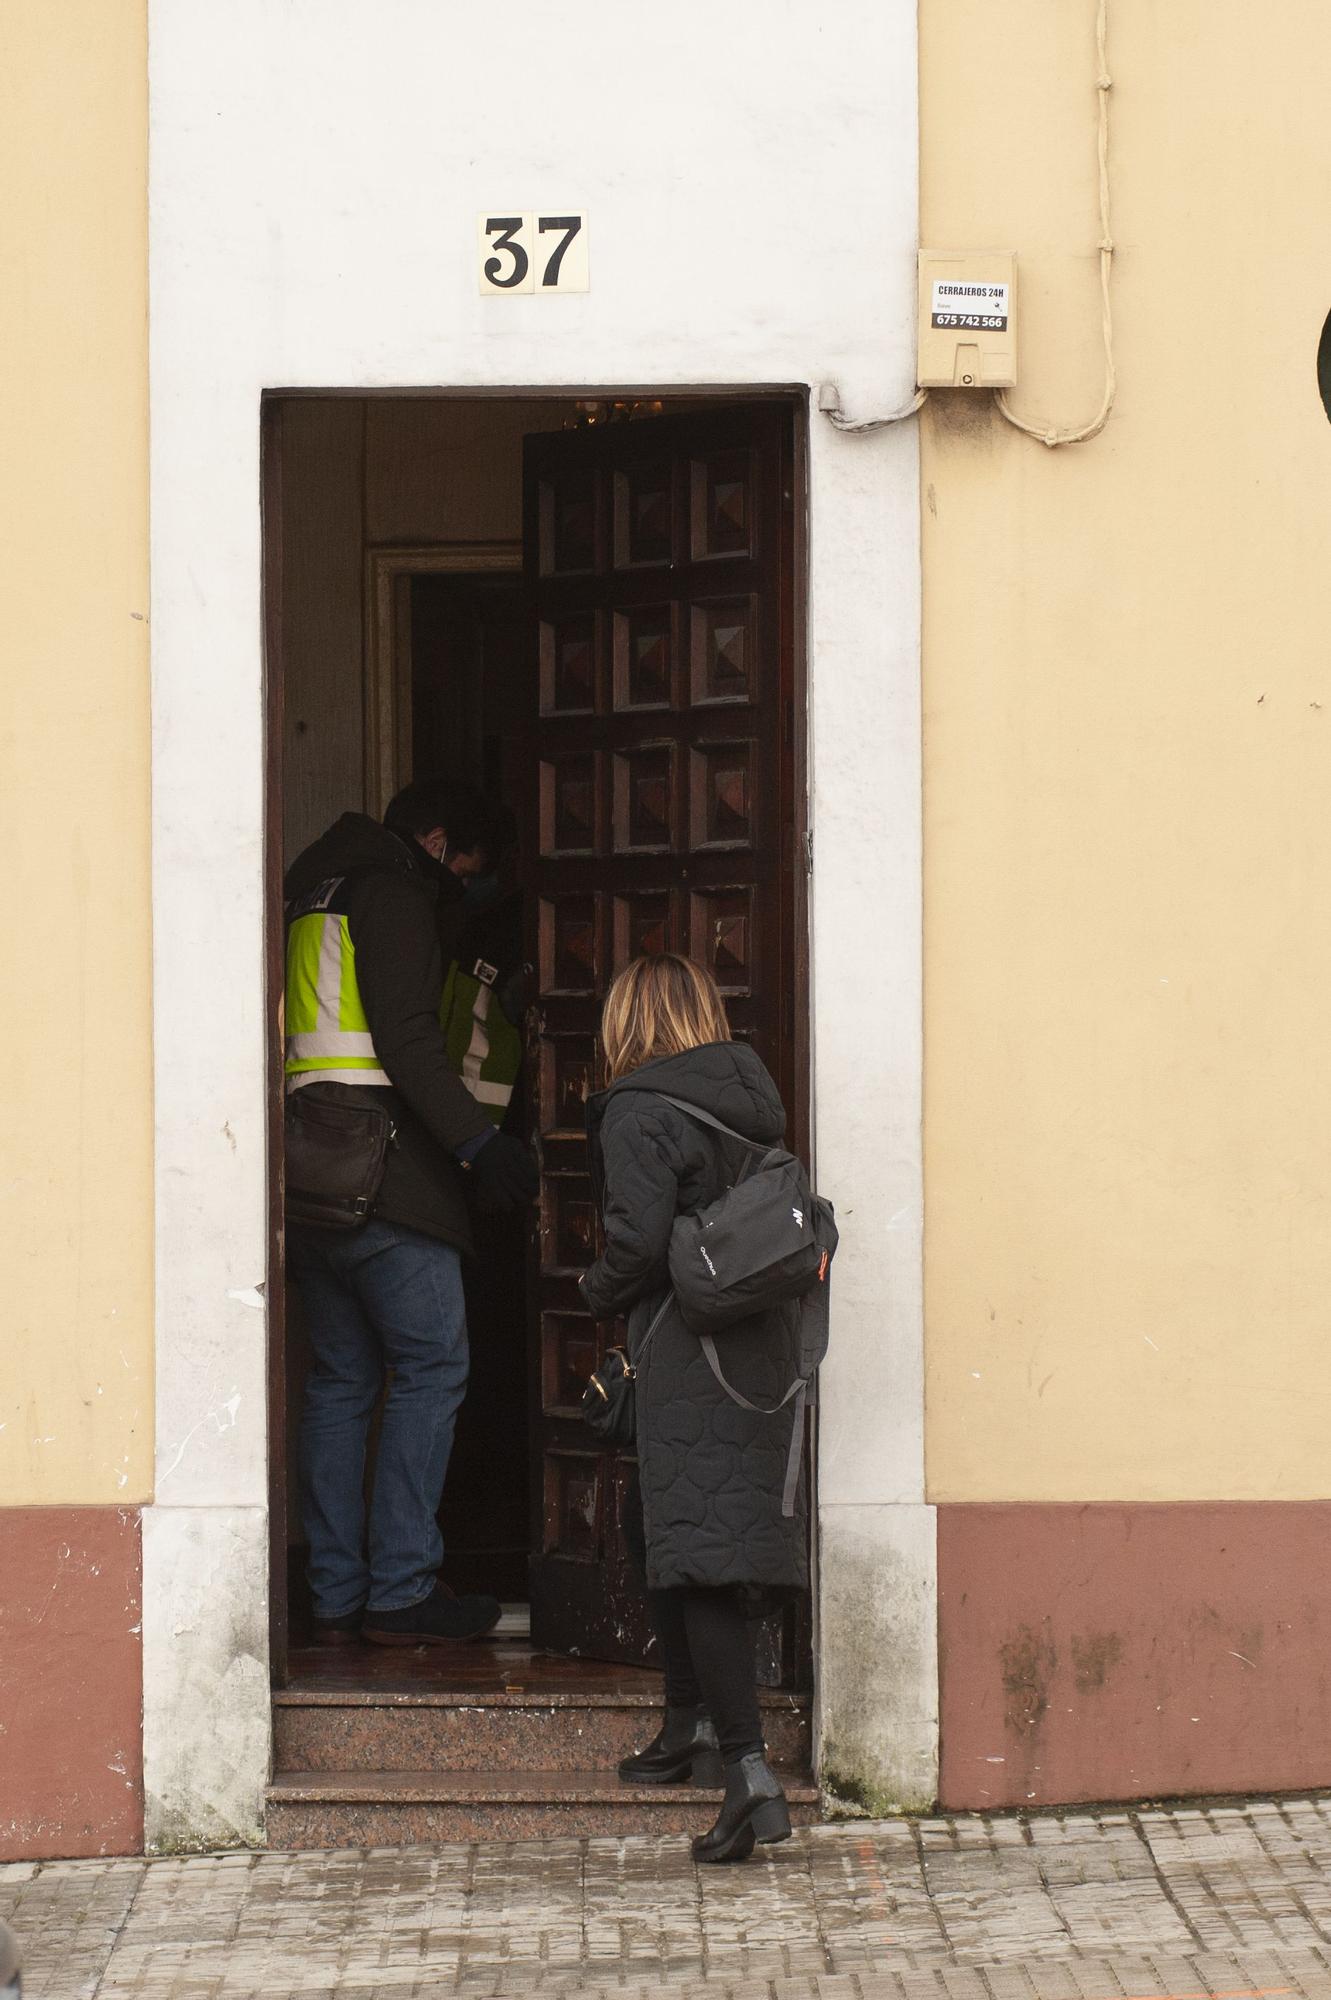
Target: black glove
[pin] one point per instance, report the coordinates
(505, 1174)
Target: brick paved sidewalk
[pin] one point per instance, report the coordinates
(1186, 1904)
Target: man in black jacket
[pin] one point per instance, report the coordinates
(369, 912)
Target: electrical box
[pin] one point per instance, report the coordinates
(968, 319)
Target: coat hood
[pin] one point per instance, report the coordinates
(726, 1078)
(354, 841)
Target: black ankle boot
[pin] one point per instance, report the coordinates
(684, 1748)
(755, 1809)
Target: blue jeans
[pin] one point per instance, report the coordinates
(375, 1298)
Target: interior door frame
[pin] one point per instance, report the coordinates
(388, 651)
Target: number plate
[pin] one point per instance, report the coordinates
(533, 252)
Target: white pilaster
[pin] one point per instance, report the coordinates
(316, 176)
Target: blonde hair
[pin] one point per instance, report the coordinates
(659, 1006)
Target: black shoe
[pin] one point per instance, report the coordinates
(684, 1750)
(343, 1631)
(755, 1809)
(438, 1620)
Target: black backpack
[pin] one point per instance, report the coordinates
(766, 1242)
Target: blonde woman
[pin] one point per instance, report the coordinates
(712, 1530)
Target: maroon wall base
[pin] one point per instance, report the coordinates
(71, 1682)
(1124, 1652)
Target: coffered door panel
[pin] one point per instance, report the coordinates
(660, 817)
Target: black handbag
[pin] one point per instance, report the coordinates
(335, 1160)
(609, 1402)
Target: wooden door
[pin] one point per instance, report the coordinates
(661, 815)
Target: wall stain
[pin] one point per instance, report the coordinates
(1093, 1655)
(963, 416)
(1028, 1661)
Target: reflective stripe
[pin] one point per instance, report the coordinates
(299, 1078)
(483, 1045)
(338, 1042)
(302, 1003)
(329, 1037)
(491, 1093)
(479, 1046)
(329, 985)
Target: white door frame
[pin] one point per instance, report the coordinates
(207, 1707)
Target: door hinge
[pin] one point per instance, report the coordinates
(808, 851)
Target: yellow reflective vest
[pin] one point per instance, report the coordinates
(484, 1046)
(328, 1037)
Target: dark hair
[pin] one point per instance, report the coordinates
(470, 820)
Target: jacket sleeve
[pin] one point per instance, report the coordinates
(641, 1194)
(399, 970)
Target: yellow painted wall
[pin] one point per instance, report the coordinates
(1128, 768)
(76, 1118)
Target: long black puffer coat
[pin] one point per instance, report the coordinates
(712, 1473)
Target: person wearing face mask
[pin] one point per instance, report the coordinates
(370, 910)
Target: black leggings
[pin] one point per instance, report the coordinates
(706, 1649)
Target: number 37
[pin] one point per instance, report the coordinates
(533, 253)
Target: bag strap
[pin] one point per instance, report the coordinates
(796, 1455)
(714, 1363)
(694, 1111)
(656, 1319)
(798, 1390)
(706, 1118)
(658, 1316)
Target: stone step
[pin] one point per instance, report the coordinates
(331, 1809)
(469, 1730)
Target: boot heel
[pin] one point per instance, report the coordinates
(708, 1771)
(771, 1822)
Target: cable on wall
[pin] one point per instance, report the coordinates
(829, 398)
(1048, 433)
(829, 402)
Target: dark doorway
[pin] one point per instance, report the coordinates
(624, 671)
(467, 673)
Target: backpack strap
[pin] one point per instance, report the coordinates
(706, 1118)
(714, 1363)
(701, 1117)
(798, 1390)
(795, 1457)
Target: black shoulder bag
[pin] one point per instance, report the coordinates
(335, 1159)
(609, 1402)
